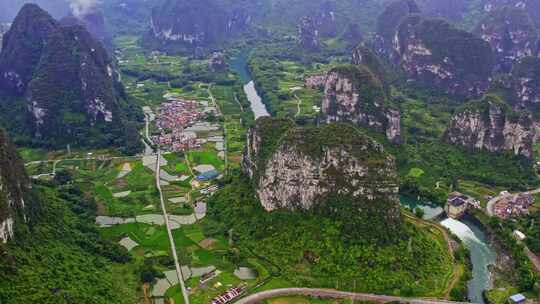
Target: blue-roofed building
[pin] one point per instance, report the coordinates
(518, 298)
(208, 176)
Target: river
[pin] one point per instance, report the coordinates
(472, 236)
(239, 65)
(482, 255)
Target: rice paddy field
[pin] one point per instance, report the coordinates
(127, 198)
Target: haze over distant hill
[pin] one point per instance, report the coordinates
(10, 8)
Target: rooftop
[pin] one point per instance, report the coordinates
(457, 201)
(518, 298)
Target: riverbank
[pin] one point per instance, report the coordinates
(481, 255)
(239, 64)
(506, 281)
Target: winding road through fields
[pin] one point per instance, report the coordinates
(334, 294)
(169, 230)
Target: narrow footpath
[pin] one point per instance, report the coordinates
(298, 104)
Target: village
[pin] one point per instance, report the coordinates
(179, 122)
(505, 206)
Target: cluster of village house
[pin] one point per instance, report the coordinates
(174, 119)
(315, 82)
(511, 206)
(508, 206)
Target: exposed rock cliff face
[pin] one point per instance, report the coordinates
(489, 124)
(22, 47)
(442, 57)
(308, 34)
(526, 76)
(301, 168)
(532, 7)
(521, 87)
(4, 27)
(217, 62)
(14, 187)
(196, 23)
(354, 94)
(388, 23)
(511, 34)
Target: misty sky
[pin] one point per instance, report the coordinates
(57, 8)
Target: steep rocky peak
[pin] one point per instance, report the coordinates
(326, 20)
(14, 188)
(511, 34)
(526, 84)
(85, 82)
(491, 124)
(354, 94)
(308, 34)
(195, 24)
(301, 168)
(388, 22)
(440, 56)
(532, 7)
(22, 47)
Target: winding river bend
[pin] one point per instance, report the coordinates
(239, 65)
(482, 255)
(472, 236)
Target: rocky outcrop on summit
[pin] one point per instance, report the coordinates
(304, 168)
(532, 7)
(489, 124)
(511, 34)
(14, 188)
(200, 23)
(218, 62)
(388, 23)
(442, 57)
(308, 34)
(354, 94)
(22, 47)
